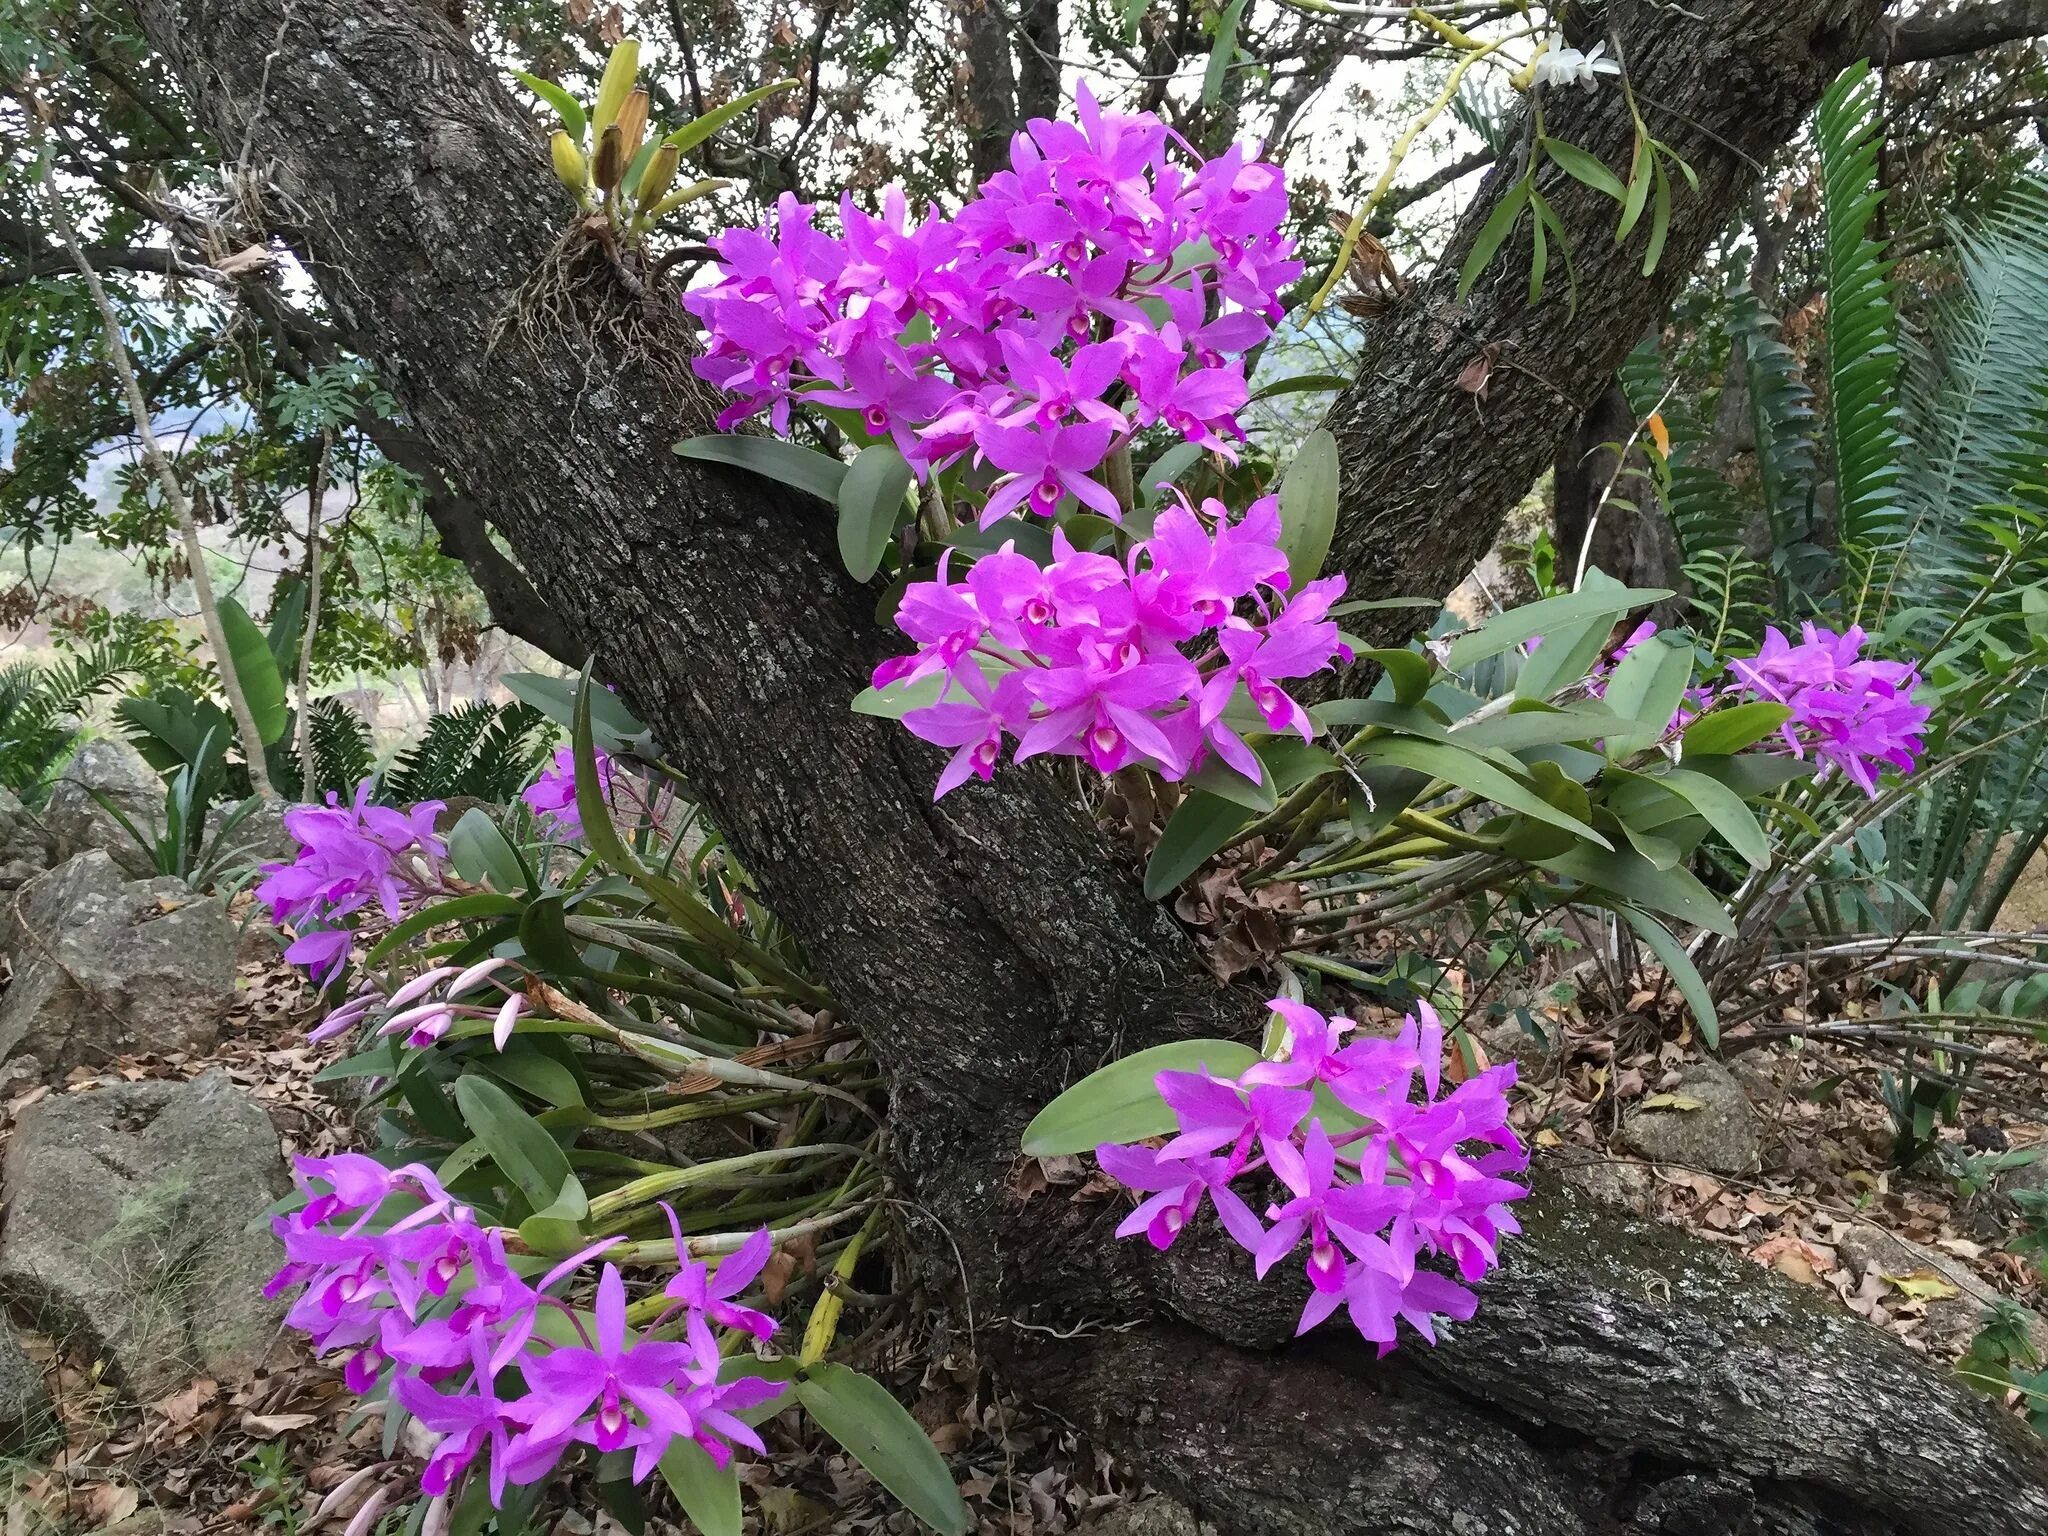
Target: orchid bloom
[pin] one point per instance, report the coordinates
(1372, 1191)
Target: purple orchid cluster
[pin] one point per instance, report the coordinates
(1373, 1177)
(400, 1279)
(349, 856)
(1853, 711)
(552, 795)
(1108, 264)
(1118, 661)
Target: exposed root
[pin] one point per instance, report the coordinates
(588, 296)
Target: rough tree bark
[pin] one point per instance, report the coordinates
(992, 947)
(1632, 539)
(1429, 467)
(1012, 73)
(988, 86)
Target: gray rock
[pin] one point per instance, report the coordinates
(24, 843)
(1624, 1186)
(1951, 1321)
(77, 822)
(128, 1232)
(2026, 1176)
(1534, 1059)
(258, 837)
(1711, 1127)
(1156, 1515)
(105, 967)
(27, 1422)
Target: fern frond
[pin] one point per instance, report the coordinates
(1863, 355)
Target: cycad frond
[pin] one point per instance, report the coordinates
(1975, 404)
(1730, 598)
(1781, 417)
(39, 706)
(1706, 514)
(483, 750)
(1863, 355)
(342, 753)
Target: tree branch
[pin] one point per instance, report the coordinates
(1970, 30)
(516, 606)
(108, 258)
(1431, 466)
(174, 493)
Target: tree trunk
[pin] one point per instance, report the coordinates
(1012, 74)
(1429, 467)
(1603, 512)
(992, 947)
(988, 87)
(1038, 59)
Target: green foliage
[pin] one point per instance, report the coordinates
(1919, 1104)
(39, 708)
(2002, 1360)
(1121, 1103)
(1973, 398)
(277, 1485)
(479, 751)
(654, 979)
(1782, 421)
(343, 755)
(178, 843)
(1863, 359)
(2030, 1240)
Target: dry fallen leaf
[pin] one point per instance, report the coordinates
(1791, 1257)
(1681, 1101)
(1924, 1285)
(267, 1426)
(183, 1407)
(109, 1503)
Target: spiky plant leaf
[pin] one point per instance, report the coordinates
(1863, 356)
(1974, 403)
(487, 751)
(39, 709)
(342, 752)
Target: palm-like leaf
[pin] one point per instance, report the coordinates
(39, 706)
(483, 750)
(342, 753)
(1974, 403)
(1863, 355)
